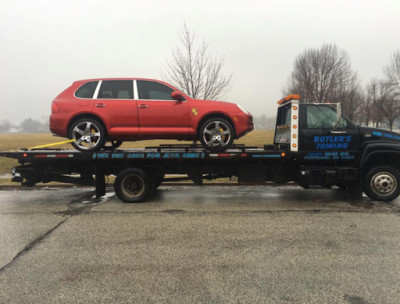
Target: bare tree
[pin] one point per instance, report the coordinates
(350, 95)
(195, 71)
(370, 108)
(319, 75)
(389, 91)
(387, 103)
(392, 72)
(264, 122)
(30, 125)
(5, 126)
(325, 75)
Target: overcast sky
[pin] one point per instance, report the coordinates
(47, 44)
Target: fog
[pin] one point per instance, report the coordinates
(45, 45)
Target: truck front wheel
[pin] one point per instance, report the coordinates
(132, 185)
(382, 183)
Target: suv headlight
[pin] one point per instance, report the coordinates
(243, 109)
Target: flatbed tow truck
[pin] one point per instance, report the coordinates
(314, 146)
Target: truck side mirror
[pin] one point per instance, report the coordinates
(339, 122)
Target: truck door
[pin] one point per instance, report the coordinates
(322, 141)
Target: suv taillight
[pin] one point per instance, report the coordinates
(54, 107)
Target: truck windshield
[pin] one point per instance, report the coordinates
(322, 116)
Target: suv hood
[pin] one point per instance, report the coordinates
(216, 101)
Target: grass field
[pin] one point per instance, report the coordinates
(16, 141)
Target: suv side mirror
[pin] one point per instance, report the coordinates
(177, 96)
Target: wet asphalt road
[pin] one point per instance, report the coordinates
(207, 244)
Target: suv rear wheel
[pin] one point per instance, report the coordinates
(113, 144)
(88, 134)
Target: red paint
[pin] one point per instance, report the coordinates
(224, 155)
(40, 156)
(139, 119)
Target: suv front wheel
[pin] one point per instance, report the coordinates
(217, 134)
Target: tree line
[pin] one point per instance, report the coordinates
(28, 125)
(319, 75)
(323, 75)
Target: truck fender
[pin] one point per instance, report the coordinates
(388, 151)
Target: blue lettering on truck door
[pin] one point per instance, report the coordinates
(328, 142)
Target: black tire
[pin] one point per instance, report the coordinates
(132, 185)
(155, 181)
(113, 144)
(28, 183)
(158, 179)
(88, 133)
(355, 190)
(216, 134)
(382, 183)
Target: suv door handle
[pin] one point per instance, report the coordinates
(143, 106)
(339, 132)
(100, 105)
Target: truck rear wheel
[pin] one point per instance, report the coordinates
(132, 185)
(382, 183)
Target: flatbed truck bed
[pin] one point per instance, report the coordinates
(314, 145)
(151, 163)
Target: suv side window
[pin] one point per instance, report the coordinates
(86, 90)
(153, 90)
(116, 89)
(322, 116)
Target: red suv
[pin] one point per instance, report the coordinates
(95, 111)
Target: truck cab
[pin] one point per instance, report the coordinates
(318, 133)
(331, 150)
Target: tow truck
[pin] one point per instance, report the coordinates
(314, 146)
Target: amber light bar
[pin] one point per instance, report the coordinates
(288, 98)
